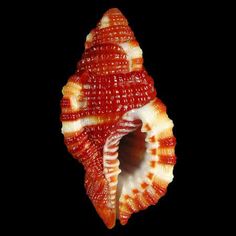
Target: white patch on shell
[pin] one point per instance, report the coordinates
(74, 126)
(164, 172)
(105, 22)
(75, 105)
(89, 39)
(73, 91)
(132, 52)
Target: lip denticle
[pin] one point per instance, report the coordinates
(115, 126)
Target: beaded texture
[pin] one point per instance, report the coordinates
(115, 126)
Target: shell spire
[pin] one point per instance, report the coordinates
(115, 126)
(111, 47)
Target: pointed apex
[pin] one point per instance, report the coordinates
(112, 17)
(112, 28)
(113, 11)
(112, 44)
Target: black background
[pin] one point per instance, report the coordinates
(173, 37)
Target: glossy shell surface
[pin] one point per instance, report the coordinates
(115, 126)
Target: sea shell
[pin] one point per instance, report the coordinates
(115, 126)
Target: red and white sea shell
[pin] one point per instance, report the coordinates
(115, 126)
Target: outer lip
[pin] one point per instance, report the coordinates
(138, 195)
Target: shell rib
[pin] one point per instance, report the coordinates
(115, 126)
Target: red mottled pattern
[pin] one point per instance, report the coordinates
(65, 103)
(104, 59)
(116, 18)
(106, 91)
(114, 93)
(167, 159)
(114, 34)
(167, 142)
(159, 190)
(118, 31)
